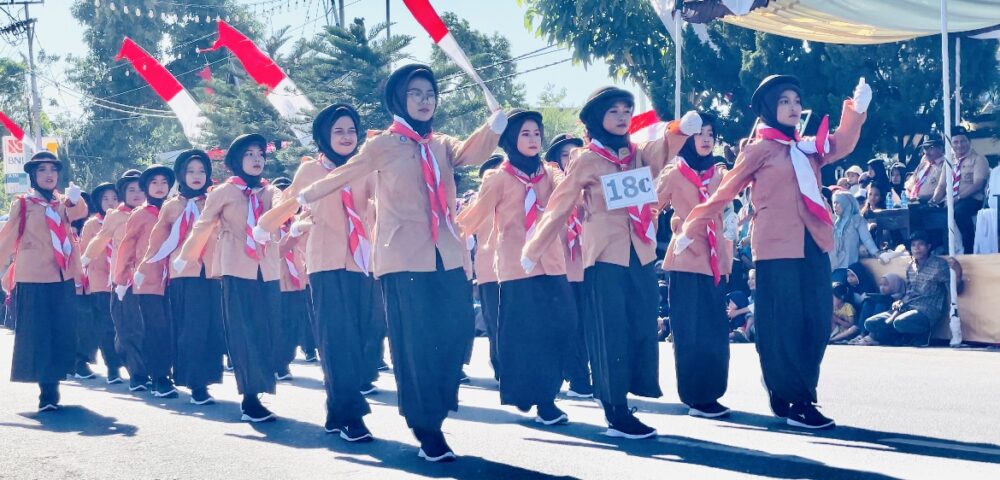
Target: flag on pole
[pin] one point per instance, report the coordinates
(425, 15)
(646, 127)
(282, 93)
(167, 87)
(16, 131)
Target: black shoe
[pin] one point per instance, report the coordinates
(48, 399)
(464, 378)
(779, 406)
(83, 372)
(283, 375)
(138, 384)
(200, 396)
(433, 446)
(311, 356)
(114, 376)
(164, 388)
(805, 415)
(254, 412)
(623, 424)
(382, 366)
(550, 414)
(708, 410)
(580, 391)
(356, 432)
(331, 425)
(369, 389)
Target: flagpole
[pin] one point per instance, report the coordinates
(949, 157)
(678, 42)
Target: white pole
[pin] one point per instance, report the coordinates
(949, 157)
(678, 45)
(958, 80)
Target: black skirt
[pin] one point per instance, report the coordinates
(701, 337)
(576, 362)
(295, 308)
(620, 325)
(537, 315)
(430, 327)
(374, 330)
(489, 299)
(129, 333)
(252, 316)
(199, 337)
(158, 335)
(87, 332)
(45, 335)
(100, 308)
(341, 317)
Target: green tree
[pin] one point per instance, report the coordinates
(556, 115)
(13, 100)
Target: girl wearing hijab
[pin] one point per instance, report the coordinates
(619, 249)
(195, 296)
(418, 256)
(850, 232)
(104, 200)
(44, 266)
(486, 275)
(897, 181)
(251, 299)
(124, 311)
(793, 233)
(698, 317)
(338, 257)
(537, 311)
(149, 284)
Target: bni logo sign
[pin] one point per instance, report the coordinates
(13, 146)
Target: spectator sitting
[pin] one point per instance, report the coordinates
(735, 309)
(897, 176)
(877, 172)
(857, 278)
(922, 185)
(912, 317)
(850, 232)
(738, 302)
(875, 200)
(972, 173)
(843, 326)
(891, 287)
(853, 176)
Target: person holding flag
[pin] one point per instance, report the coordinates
(251, 297)
(618, 248)
(44, 266)
(697, 296)
(792, 235)
(418, 255)
(195, 296)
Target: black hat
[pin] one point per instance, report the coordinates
(99, 190)
(516, 118)
(558, 142)
(180, 170)
(493, 162)
(769, 82)
(39, 158)
(933, 139)
(130, 175)
(281, 183)
(153, 170)
(234, 156)
(603, 96)
(959, 130)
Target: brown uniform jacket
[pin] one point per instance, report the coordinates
(675, 191)
(607, 235)
(34, 261)
(130, 251)
(226, 213)
(930, 186)
(484, 264)
(297, 247)
(169, 214)
(99, 269)
(402, 234)
(975, 172)
(112, 231)
(781, 218)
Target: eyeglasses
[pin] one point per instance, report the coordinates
(418, 96)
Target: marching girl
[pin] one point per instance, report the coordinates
(98, 273)
(338, 257)
(793, 233)
(86, 334)
(537, 311)
(44, 267)
(619, 248)
(194, 295)
(487, 284)
(124, 311)
(419, 258)
(295, 300)
(251, 297)
(698, 317)
(148, 285)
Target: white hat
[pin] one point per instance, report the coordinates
(855, 169)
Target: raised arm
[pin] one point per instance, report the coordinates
(561, 205)
(473, 150)
(76, 211)
(659, 153)
(104, 236)
(288, 204)
(732, 184)
(125, 255)
(843, 141)
(161, 230)
(365, 162)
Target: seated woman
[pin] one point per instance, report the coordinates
(891, 287)
(850, 232)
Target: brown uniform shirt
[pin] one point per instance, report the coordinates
(975, 172)
(930, 186)
(169, 215)
(99, 269)
(781, 218)
(34, 261)
(402, 234)
(129, 254)
(112, 231)
(677, 192)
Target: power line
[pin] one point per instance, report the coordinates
(497, 79)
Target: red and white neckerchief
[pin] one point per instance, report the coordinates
(957, 176)
(109, 249)
(62, 247)
(357, 240)
(641, 217)
(165, 275)
(921, 178)
(800, 148)
(255, 208)
(436, 192)
(701, 182)
(574, 233)
(179, 230)
(532, 208)
(294, 275)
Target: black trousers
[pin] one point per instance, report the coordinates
(129, 333)
(620, 324)
(430, 327)
(489, 299)
(792, 321)
(252, 316)
(295, 308)
(199, 335)
(341, 317)
(374, 330)
(86, 332)
(966, 210)
(701, 337)
(158, 335)
(104, 328)
(576, 362)
(45, 334)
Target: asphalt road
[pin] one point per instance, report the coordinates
(904, 413)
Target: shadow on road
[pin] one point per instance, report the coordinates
(75, 419)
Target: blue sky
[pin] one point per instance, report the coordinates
(60, 34)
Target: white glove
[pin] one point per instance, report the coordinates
(886, 257)
(302, 200)
(295, 231)
(137, 279)
(498, 121)
(84, 261)
(120, 292)
(527, 264)
(862, 96)
(691, 123)
(179, 264)
(74, 194)
(260, 235)
(682, 243)
(470, 243)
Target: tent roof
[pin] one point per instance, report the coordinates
(867, 21)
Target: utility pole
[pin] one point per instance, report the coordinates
(343, 21)
(388, 23)
(36, 100)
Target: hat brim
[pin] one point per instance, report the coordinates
(555, 147)
(151, 172)
(99, 190)
(604, 96)
(770, 82)
(240, 144)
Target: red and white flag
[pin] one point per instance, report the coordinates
(282, 93)
(16, 131)
(646, 127)
(425, 15)
(167, 87)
